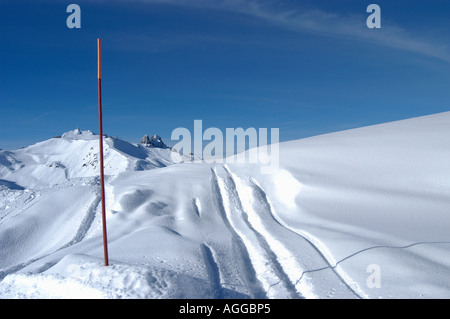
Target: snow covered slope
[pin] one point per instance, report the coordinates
(74, 155)
(356, 214)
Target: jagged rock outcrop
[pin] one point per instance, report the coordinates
(145, 140)
(155, 141)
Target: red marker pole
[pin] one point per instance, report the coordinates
(102, 176)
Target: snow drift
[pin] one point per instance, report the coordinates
(361, 213)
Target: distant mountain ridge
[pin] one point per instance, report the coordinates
(76, 154)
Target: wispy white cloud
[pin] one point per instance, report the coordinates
(307, 20)
(155, 44)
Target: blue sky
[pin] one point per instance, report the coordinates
(305, 67)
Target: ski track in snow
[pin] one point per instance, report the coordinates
(313, 242)
(243, 259)
(86, 223)
(262, 207)
(265, 261)
(83, 229)
(285, 277)
(213, 271)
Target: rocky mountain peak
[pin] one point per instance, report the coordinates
(155, 141)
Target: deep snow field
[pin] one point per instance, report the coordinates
(362, 213)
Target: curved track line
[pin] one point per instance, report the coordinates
(268, 269)
(309, 240)
(84, 227)
(243, 259)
